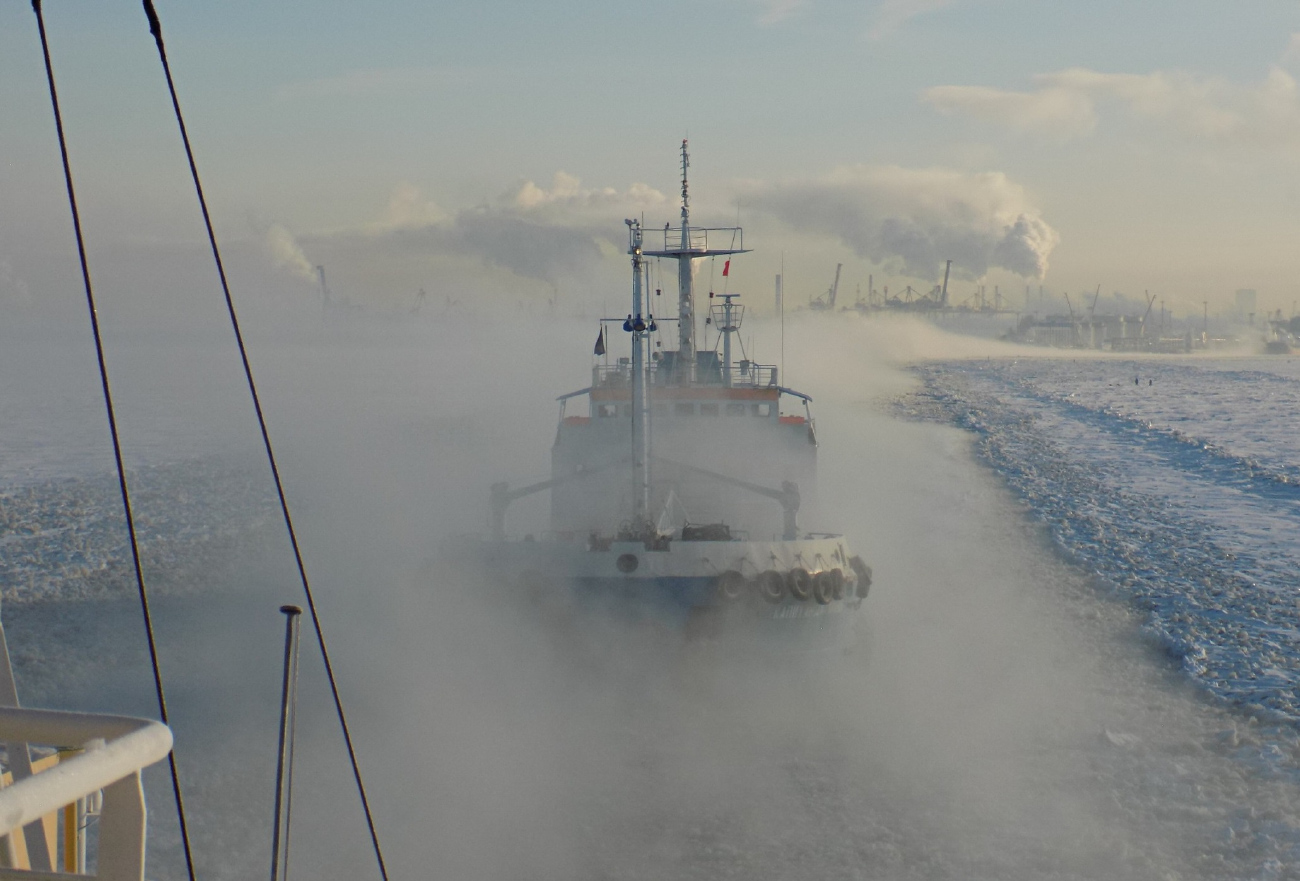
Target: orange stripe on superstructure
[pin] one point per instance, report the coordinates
(690, 393)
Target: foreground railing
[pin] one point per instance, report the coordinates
(113, 752)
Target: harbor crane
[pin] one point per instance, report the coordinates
(1151, 298)
(826, 302)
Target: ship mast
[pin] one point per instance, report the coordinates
(686, 245)
(685, 281)
(640, 328)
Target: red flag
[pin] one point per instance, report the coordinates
(726, 269)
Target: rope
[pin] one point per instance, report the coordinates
(117, 445)
(155, 28)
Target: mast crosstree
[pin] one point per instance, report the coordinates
(685, 245)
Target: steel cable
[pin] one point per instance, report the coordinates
(155, 28)
(112, 427)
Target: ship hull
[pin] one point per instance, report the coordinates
(693, 591)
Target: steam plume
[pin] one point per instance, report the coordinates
(536, 232)
(917, 218)
(286, 252)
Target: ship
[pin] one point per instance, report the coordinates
(675, 499)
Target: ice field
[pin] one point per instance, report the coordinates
(1076, 662)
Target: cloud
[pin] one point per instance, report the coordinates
(528, 248)
(918, 218)
(537, 232)
(568, 199)
(891, 15)
(542, 233)
(1066, 104)
(1291, 55)
(407, 207)
(287, 254)
(1055, 112)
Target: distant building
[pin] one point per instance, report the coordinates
(1246, 304)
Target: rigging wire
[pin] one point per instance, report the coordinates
(117, 444)
(155, 28)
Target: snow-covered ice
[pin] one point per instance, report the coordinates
(1077, 661)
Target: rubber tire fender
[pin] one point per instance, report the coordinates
(837, 583)
(731, 585)
(863, 571)
(771, 586)
(799, 582)
(823, 587)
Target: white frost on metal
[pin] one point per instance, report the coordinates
(117, 749)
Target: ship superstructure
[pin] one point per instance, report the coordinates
(679, 490)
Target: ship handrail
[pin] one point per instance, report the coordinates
(752, 375)
(697, 241)
(807, 399)
(117, 749)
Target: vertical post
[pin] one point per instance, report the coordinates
(288, 699)
(640, 329)
(82, 812)
(39, 857)
(685, 283)
(122, 831)
(726, 340)
(70, 837)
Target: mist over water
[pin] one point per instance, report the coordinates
(997, 718)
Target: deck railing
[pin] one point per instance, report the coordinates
(113, 752)
(730, 238)
(744, 374)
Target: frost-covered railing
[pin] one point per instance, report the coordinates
(115, 749)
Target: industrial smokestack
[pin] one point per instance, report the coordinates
(324, 289)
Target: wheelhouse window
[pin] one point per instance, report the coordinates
(762, 409)
(735, 408)
(604, 410)
(684, 409)
(708, 409)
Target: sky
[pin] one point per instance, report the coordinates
(488, 153)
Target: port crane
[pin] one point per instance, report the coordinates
(826, 302)
(1151, 298)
